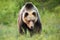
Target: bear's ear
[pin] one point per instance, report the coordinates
(28, 5)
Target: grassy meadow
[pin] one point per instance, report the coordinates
(49, 16)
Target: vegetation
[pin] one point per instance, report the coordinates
(49, 14)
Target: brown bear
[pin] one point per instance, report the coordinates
(29, 19)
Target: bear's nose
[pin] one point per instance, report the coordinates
(32, 27)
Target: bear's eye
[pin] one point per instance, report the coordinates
(26, 14)
(34, 13)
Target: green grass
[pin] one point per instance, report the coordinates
(9, 28)
(50, 30)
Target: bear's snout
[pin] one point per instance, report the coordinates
(32, 27)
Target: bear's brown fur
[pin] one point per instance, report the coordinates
(30, 22)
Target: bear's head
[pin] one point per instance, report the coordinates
(30, 16)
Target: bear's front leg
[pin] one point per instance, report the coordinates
(21, 31)
(31, 32)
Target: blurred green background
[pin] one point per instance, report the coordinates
(49, 14)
